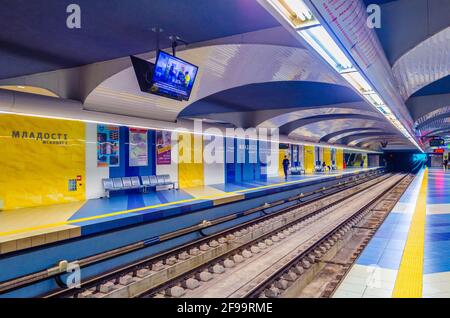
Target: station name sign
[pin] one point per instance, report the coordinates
(45, 137)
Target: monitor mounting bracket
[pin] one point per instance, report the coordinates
(157, 30)
(176, 40)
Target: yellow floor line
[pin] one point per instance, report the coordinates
(409, 280)
(102, 216)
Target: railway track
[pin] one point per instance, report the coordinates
(365, 231)
(318, 233)
(174, 273)
(277, 281)
(155, 271)
(221, 250)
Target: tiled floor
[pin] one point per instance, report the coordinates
(436, 281)
(53, 223)
(376, 271)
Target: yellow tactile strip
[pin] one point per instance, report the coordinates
(13, 239)
(409, 282)
(214, 197)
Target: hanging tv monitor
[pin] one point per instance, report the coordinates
(144, 73)
(173, 77)
(169, 77)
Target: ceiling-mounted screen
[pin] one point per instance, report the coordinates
(173, 77)
(169, 77)
(144, 73)
(437, 142)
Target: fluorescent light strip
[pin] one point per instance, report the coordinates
(375, 100)
(182, 131)
(320, 40)
(295, 12)
(300, 9)
(358, 82)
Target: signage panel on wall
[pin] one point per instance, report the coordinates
(44, 156)
(240, 155)
(138, 148)
(107, 146)
(437, 142)
(163, 147)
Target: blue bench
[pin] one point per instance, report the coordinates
(297, 170)
(318, 167)
(333, 165)
(134, 183)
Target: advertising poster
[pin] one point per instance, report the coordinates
(163, 147)
(294, 155)
(107, 146)
(138, 148)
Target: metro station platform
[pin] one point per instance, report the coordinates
(32, 227)
(409, 256)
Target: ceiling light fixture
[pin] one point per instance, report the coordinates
(319, 39)
(323, 43)
(295, 12)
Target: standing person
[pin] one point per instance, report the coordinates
(187, 79)
(445, 164)
(286, 167)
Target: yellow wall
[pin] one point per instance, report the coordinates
(309, 159)
(339, 159)
(281, 154)
(190, 166)
(35, 171)
(327, 156)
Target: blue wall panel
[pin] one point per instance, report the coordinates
(242, 161)
(124, 170)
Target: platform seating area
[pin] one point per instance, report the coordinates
(23, 228)
(318, 166)
(143, 183)
(333, 165)
(298, 170)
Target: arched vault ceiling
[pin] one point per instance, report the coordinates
(433, 119)
(424, 64)
(221, 67)
(376, 143)
(420, 106)
(435, 125)
(256, 118)
(442, 132)
(271, 95)
(315, 131)
(335, 136)
(33, 37)
(362, 140)
(368, 135)
(297, 124)
(283, 119)
(406, 23)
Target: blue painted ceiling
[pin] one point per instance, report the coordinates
(271, 95)
(406, 23)
(441, 86)
(34, 37)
